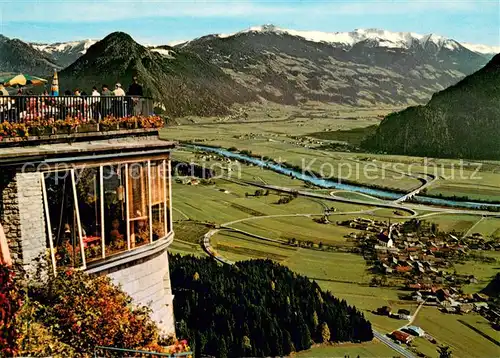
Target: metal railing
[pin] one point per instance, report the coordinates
(123, 352)
(18, 109)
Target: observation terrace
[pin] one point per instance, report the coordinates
(86, 182)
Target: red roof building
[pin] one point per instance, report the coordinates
(402, 337)
(403, 269)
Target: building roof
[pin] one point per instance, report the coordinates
(384, 237)
(99, 145)
(416, 329)
(400, 268)
(402, 336)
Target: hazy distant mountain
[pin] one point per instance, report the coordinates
(487, 51)
(461, 121)
(18, 56)
(179, 80)
(64, 53)
(363, 67)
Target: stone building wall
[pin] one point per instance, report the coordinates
(9, 215)
(22, 217)
(147, 281)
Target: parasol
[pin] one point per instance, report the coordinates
(23, 80)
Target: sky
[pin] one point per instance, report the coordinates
(167, 21)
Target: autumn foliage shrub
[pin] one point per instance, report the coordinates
(10, 304)
(85, 311)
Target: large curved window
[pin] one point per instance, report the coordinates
(158, 199)
(139, 204)
(115, 214)
(106, 210)
(63, 219)
(88, 189)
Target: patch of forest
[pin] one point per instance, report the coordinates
(257, 308)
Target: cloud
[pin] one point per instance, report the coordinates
(114, 10)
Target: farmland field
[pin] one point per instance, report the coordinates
(283, 136)
(463, 341)
(282, 133)
(369, 349)
(344, 274)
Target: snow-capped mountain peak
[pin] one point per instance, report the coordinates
(65, 53)
(484, 49)
(380, 37)
(81, 46)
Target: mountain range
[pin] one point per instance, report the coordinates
(381, 38)
(265, 63)
(365, 67)
(180, 81)
(462, 121)
(65, 53)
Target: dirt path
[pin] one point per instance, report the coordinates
(472, 227)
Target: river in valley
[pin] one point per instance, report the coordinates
(335, 184)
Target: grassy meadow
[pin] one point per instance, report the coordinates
(291, 134)
(370, 349)
(344, 274)
(299, 136)
(447, 329)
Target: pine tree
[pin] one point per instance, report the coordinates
(287, 343)
(222, 348)
(325, 332)
(306, 340)
(246, 343)
(315, 319)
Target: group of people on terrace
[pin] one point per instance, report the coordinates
(79, 104)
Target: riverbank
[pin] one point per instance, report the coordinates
(332, 184)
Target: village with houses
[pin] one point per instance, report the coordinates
(416, 257)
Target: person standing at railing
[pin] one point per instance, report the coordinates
(79, 105)
(95, 103)
(20, 103)
(105, 101)
(66, 104)
(5, 106)
(34, 108)
(87, 106)
(120, 106)
(45, 103)
(119, 92)
(135, 90)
